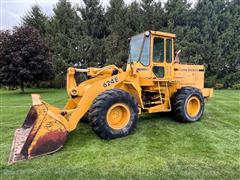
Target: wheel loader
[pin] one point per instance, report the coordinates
(112, 98)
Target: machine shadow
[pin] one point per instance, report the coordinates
(84, 134)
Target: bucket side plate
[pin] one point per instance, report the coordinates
(20, 137)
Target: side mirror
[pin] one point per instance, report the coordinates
(177, 60)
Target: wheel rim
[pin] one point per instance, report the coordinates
(118, 116)
(193, 106)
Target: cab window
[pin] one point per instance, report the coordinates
(158, 50)
(169, 50)
(139, 49)
(144, 59)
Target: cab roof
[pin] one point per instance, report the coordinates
(165, 34)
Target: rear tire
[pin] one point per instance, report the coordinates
(188, 105)
(113, 114)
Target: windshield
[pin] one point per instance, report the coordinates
(138, 50)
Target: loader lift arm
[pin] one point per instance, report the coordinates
(83, 95)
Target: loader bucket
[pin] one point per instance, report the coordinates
(44, 131)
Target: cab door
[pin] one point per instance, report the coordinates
(162, 57)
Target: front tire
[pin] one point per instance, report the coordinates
(85, 119)
(188, 105)
(113, 114)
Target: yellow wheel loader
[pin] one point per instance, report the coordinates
(112, 99)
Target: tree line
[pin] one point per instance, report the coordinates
(94, 35)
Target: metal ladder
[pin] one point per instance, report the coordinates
(167, 96)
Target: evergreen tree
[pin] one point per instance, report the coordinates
(116, 16)
(93, 27)
(177, 15)
(147, 11)
(159, 16)
(229, 38)
(208, 16)
(93, 21)
(63, 38)
(116, 44)
(36, 18)
(152, 15)
(228, 45)
(134, 19)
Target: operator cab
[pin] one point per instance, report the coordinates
(153, 51)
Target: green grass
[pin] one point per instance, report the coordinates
(160, 148)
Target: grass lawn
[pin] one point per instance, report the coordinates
(160, 148)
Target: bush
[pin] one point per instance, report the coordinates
(228, 81)
(60, 81)
(210, 81)
(236, 86)
(219, 86)
(232, 79)
(11, 88)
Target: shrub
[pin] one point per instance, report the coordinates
(228, 81)
(236, 86)
(232, 79)
(210, 81)
(219, 86)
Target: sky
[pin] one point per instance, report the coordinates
(11, 11)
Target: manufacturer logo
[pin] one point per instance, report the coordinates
(142, 69)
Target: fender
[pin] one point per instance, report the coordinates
(134, 89)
